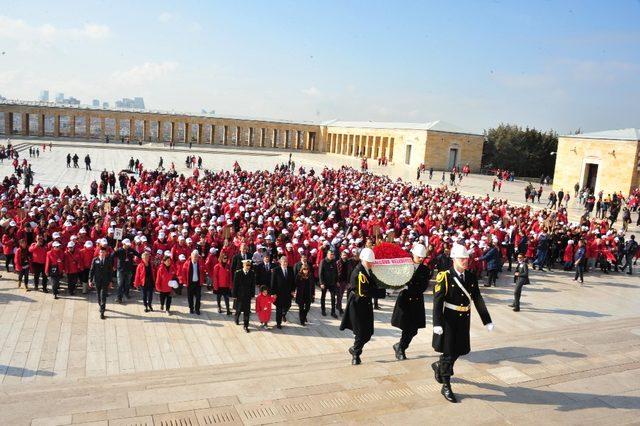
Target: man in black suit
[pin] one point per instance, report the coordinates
(101, 277)
(244, 289)
(282, 286)
(236, 262)
(263, 271)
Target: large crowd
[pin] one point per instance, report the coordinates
(166, 221)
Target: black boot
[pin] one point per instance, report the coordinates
(355, 359)
(435, 366)
(447, 392)
(399, 352)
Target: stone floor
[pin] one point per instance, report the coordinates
(571, 356)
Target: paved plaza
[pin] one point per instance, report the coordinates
(571, 356)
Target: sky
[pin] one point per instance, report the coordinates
(561, 65)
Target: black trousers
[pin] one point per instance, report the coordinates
(492, 276)
(510, 253)
(323, 295)
(516, 293)
(38, 271)
(101, 290)
(23, 276)
(445, 365)
(342, 287)
(194, 294)
(579, 271)
(226, 300)
(359, 341)
(147, 295)
(72, 279)
(243, 307)
(281, 311)
(406, 337)
(303, 310)
(55, 283)
(165, 300)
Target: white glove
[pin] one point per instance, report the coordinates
(437, 330)
(490, 326)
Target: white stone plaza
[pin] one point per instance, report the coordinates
(570, 356)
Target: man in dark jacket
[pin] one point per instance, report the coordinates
(328, 280)
(345, 266)
(521, 278)
(101, 277)
(244, 289)
(358, 315)
(125, 267)
(408, 313)
(282, 286)
(630, 249)
(492, 257)
(263, 271)
(236, 262)
(452, 296)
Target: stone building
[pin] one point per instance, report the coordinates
(607, 161)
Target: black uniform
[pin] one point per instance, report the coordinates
(358, 315)
(282, 285)
(244, 289)
(101, 274)
(409, 313)
(455, 317)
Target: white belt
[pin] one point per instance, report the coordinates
(456, 307)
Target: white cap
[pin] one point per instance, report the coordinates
(71, 244)
(367, 255)
(459, 252)
(88, 244)
(419, 250)
(56, 244)
(126, 241)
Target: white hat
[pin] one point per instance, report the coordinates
(419, 250)
(56, 244)
(71, 244)
(459, 251)
(367, 255)
(88, 244)
(126, 241)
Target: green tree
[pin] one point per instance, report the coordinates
(527, 152)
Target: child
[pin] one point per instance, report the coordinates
(263, 306)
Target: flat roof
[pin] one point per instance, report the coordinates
(436, 126)
(629, 134)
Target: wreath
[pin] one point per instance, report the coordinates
(393, 265)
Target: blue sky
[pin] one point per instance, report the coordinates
(547, 64)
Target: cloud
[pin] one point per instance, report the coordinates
(165, 17)
(144, 73)
(312, 92)
(29, 36)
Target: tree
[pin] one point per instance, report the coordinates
(526, 152)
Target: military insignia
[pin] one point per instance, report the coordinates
(437, 288)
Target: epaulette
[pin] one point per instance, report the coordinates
(442, 276)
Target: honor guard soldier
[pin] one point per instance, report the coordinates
(358, 315)
(452, 296)
(409, 313)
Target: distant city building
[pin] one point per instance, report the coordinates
(2, 98)
(105, 105)
(71, 101)
(137, 103)
(44, 96)
(60, 98)
(95, 103)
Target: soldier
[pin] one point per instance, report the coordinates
(452, 295)
(358, 315)
(408, 313)
(244, 289)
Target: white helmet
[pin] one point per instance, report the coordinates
(459, 251)
(419, 250)
(367, 255)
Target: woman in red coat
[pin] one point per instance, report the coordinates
(166, 273)
(567, 256)
(144, 279)
(72, 265)
(9, 245)
(21, 262)
(222, 282)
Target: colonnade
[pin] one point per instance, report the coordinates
(368, 146)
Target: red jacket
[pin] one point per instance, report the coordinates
(55, 257)
(184, 276)
(163, 276)
(263, 307)
(86, 254)
(221, 276)
(21, 257)
(72, 262)
(139, 277)
(38, 253)
(568, 253)
(8, 244)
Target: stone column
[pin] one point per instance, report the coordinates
(159, 131)
(56, 125)
(87, 126)
(307, 141)
(146, 130)
(25, 124)
(174, 132)
(132, 129)
(103, 127)
(200, 132)
(212, 133)
(8, 123)
(41, 124)
(237, 143)
(187, 132)
(72, 126)
(118, 129)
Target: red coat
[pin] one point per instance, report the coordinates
(55, 257)
(139, 277)
(8, 244)
(568, 253)
(264, 307)
(22, 254)
(72, 262)
(86, 254)
(163, 276)
(184, 278)
(221, 276)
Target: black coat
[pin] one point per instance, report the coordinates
(328, 273)
(456, 325)
(101, 273)
(358, 315)
(263, 276)
(244, 288)
(305, 289)
(236, 261)
(523, 274)
(409, 312)
(281, 286)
